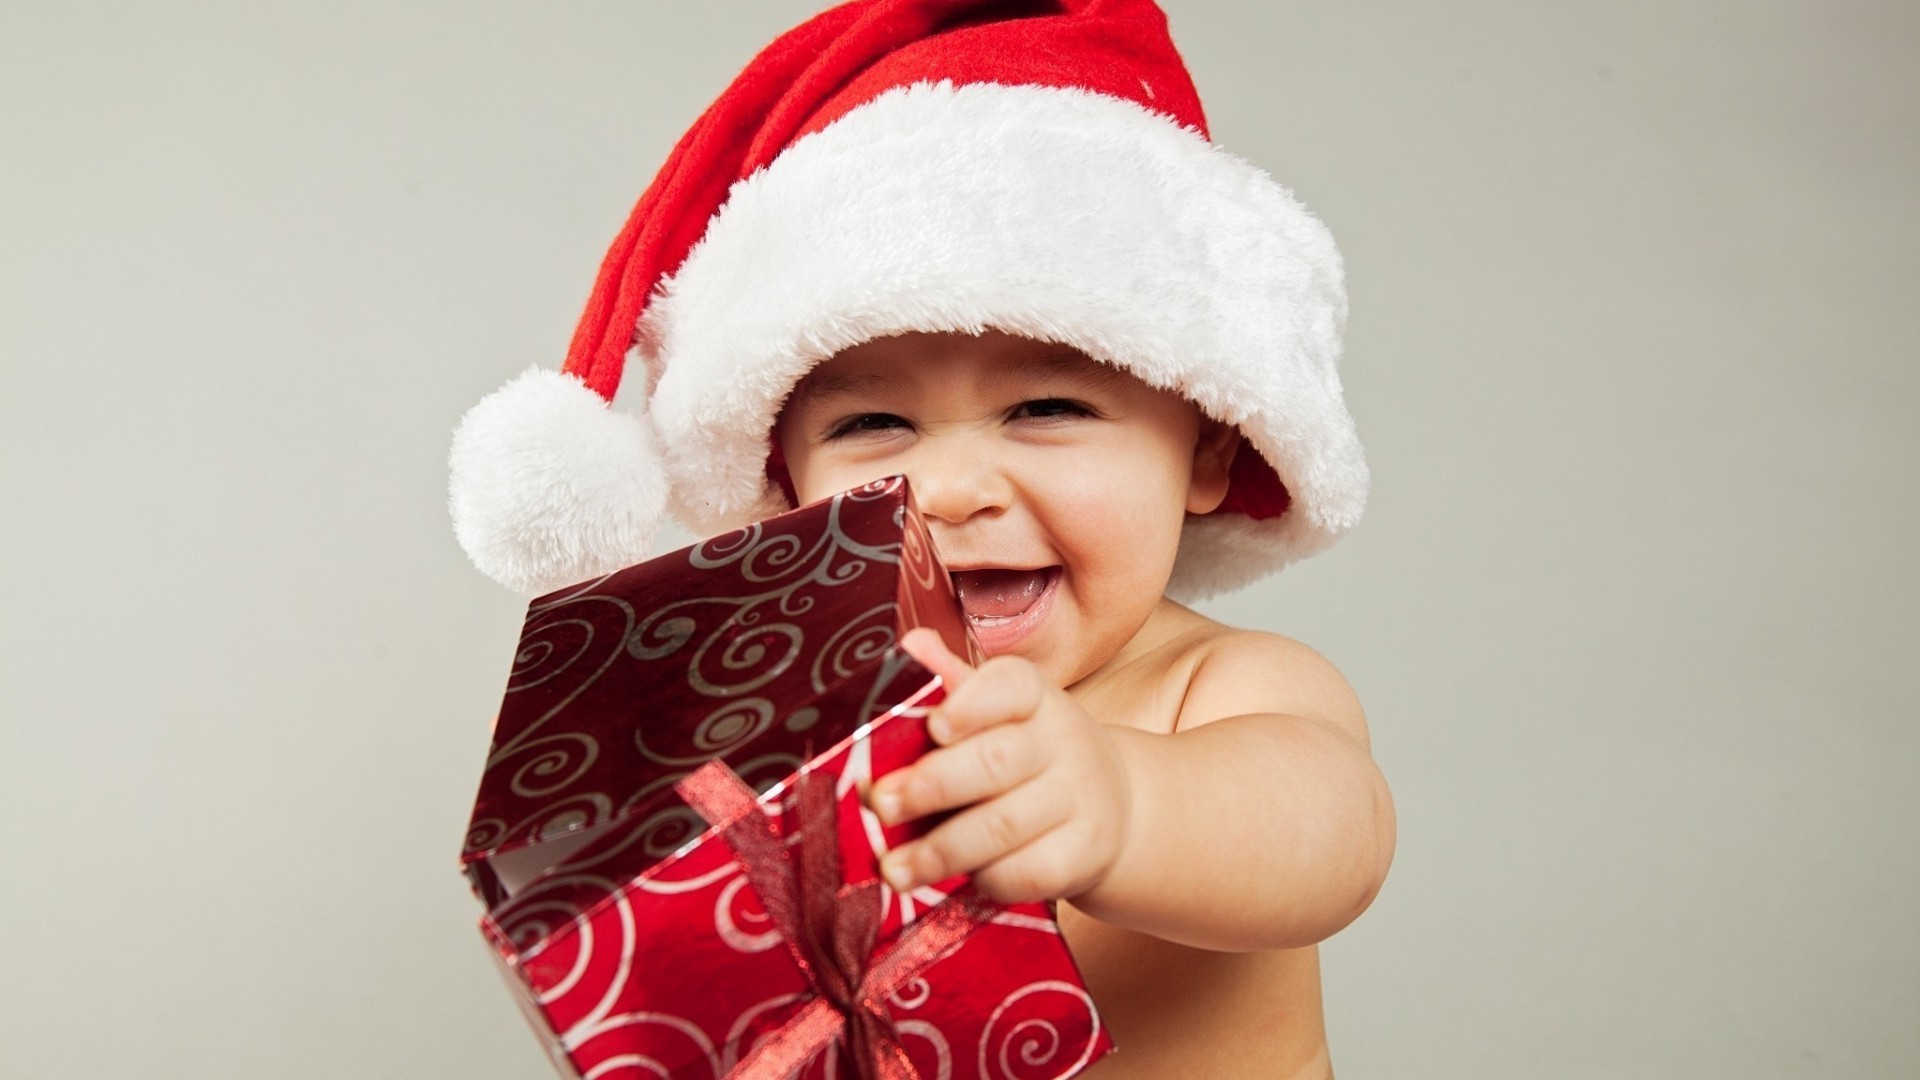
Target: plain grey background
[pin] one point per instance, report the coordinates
(1632, 348)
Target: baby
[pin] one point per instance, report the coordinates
(1201, 796)
(989, 246)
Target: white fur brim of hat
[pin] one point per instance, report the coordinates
(1060, 215)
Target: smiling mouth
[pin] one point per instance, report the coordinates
(997, 596)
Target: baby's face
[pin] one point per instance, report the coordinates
(1055, 487)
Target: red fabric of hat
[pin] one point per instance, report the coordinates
(817, 72)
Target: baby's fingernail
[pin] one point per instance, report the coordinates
(939, 728)
(886, 803)
(894, 868)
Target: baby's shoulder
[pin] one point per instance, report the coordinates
(1227, 671)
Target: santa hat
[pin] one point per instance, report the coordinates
(1042, 169)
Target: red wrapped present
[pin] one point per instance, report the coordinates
(681, 877)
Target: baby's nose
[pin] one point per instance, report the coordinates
(955, 483)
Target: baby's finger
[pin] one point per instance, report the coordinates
(1001, 691)
(1041, 870)
(992, 762)
(925, 645)
(976, 837)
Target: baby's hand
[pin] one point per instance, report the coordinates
(1046, 796)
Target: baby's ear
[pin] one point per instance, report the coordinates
(1213, 454)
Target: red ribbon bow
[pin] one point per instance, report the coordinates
(830, 927)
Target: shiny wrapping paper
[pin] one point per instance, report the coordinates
(637, 937)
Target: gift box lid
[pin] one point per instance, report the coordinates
(759, 647)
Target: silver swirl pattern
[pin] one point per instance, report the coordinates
(865, 638)
(547, 654)
(1025, 1043)
(558, 760)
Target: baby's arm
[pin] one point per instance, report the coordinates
(1261, 823)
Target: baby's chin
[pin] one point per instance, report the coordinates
(1061, 664)
(1084, 652)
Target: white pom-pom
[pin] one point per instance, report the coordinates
(550, 487)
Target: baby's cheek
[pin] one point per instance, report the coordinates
(817, 474)
(1116, 505)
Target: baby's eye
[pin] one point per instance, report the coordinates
(1050, 409)
(866, 422)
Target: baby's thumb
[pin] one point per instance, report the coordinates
(924, 644)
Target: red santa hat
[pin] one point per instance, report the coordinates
(1042, 169)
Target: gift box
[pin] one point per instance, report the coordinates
(670, 837)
